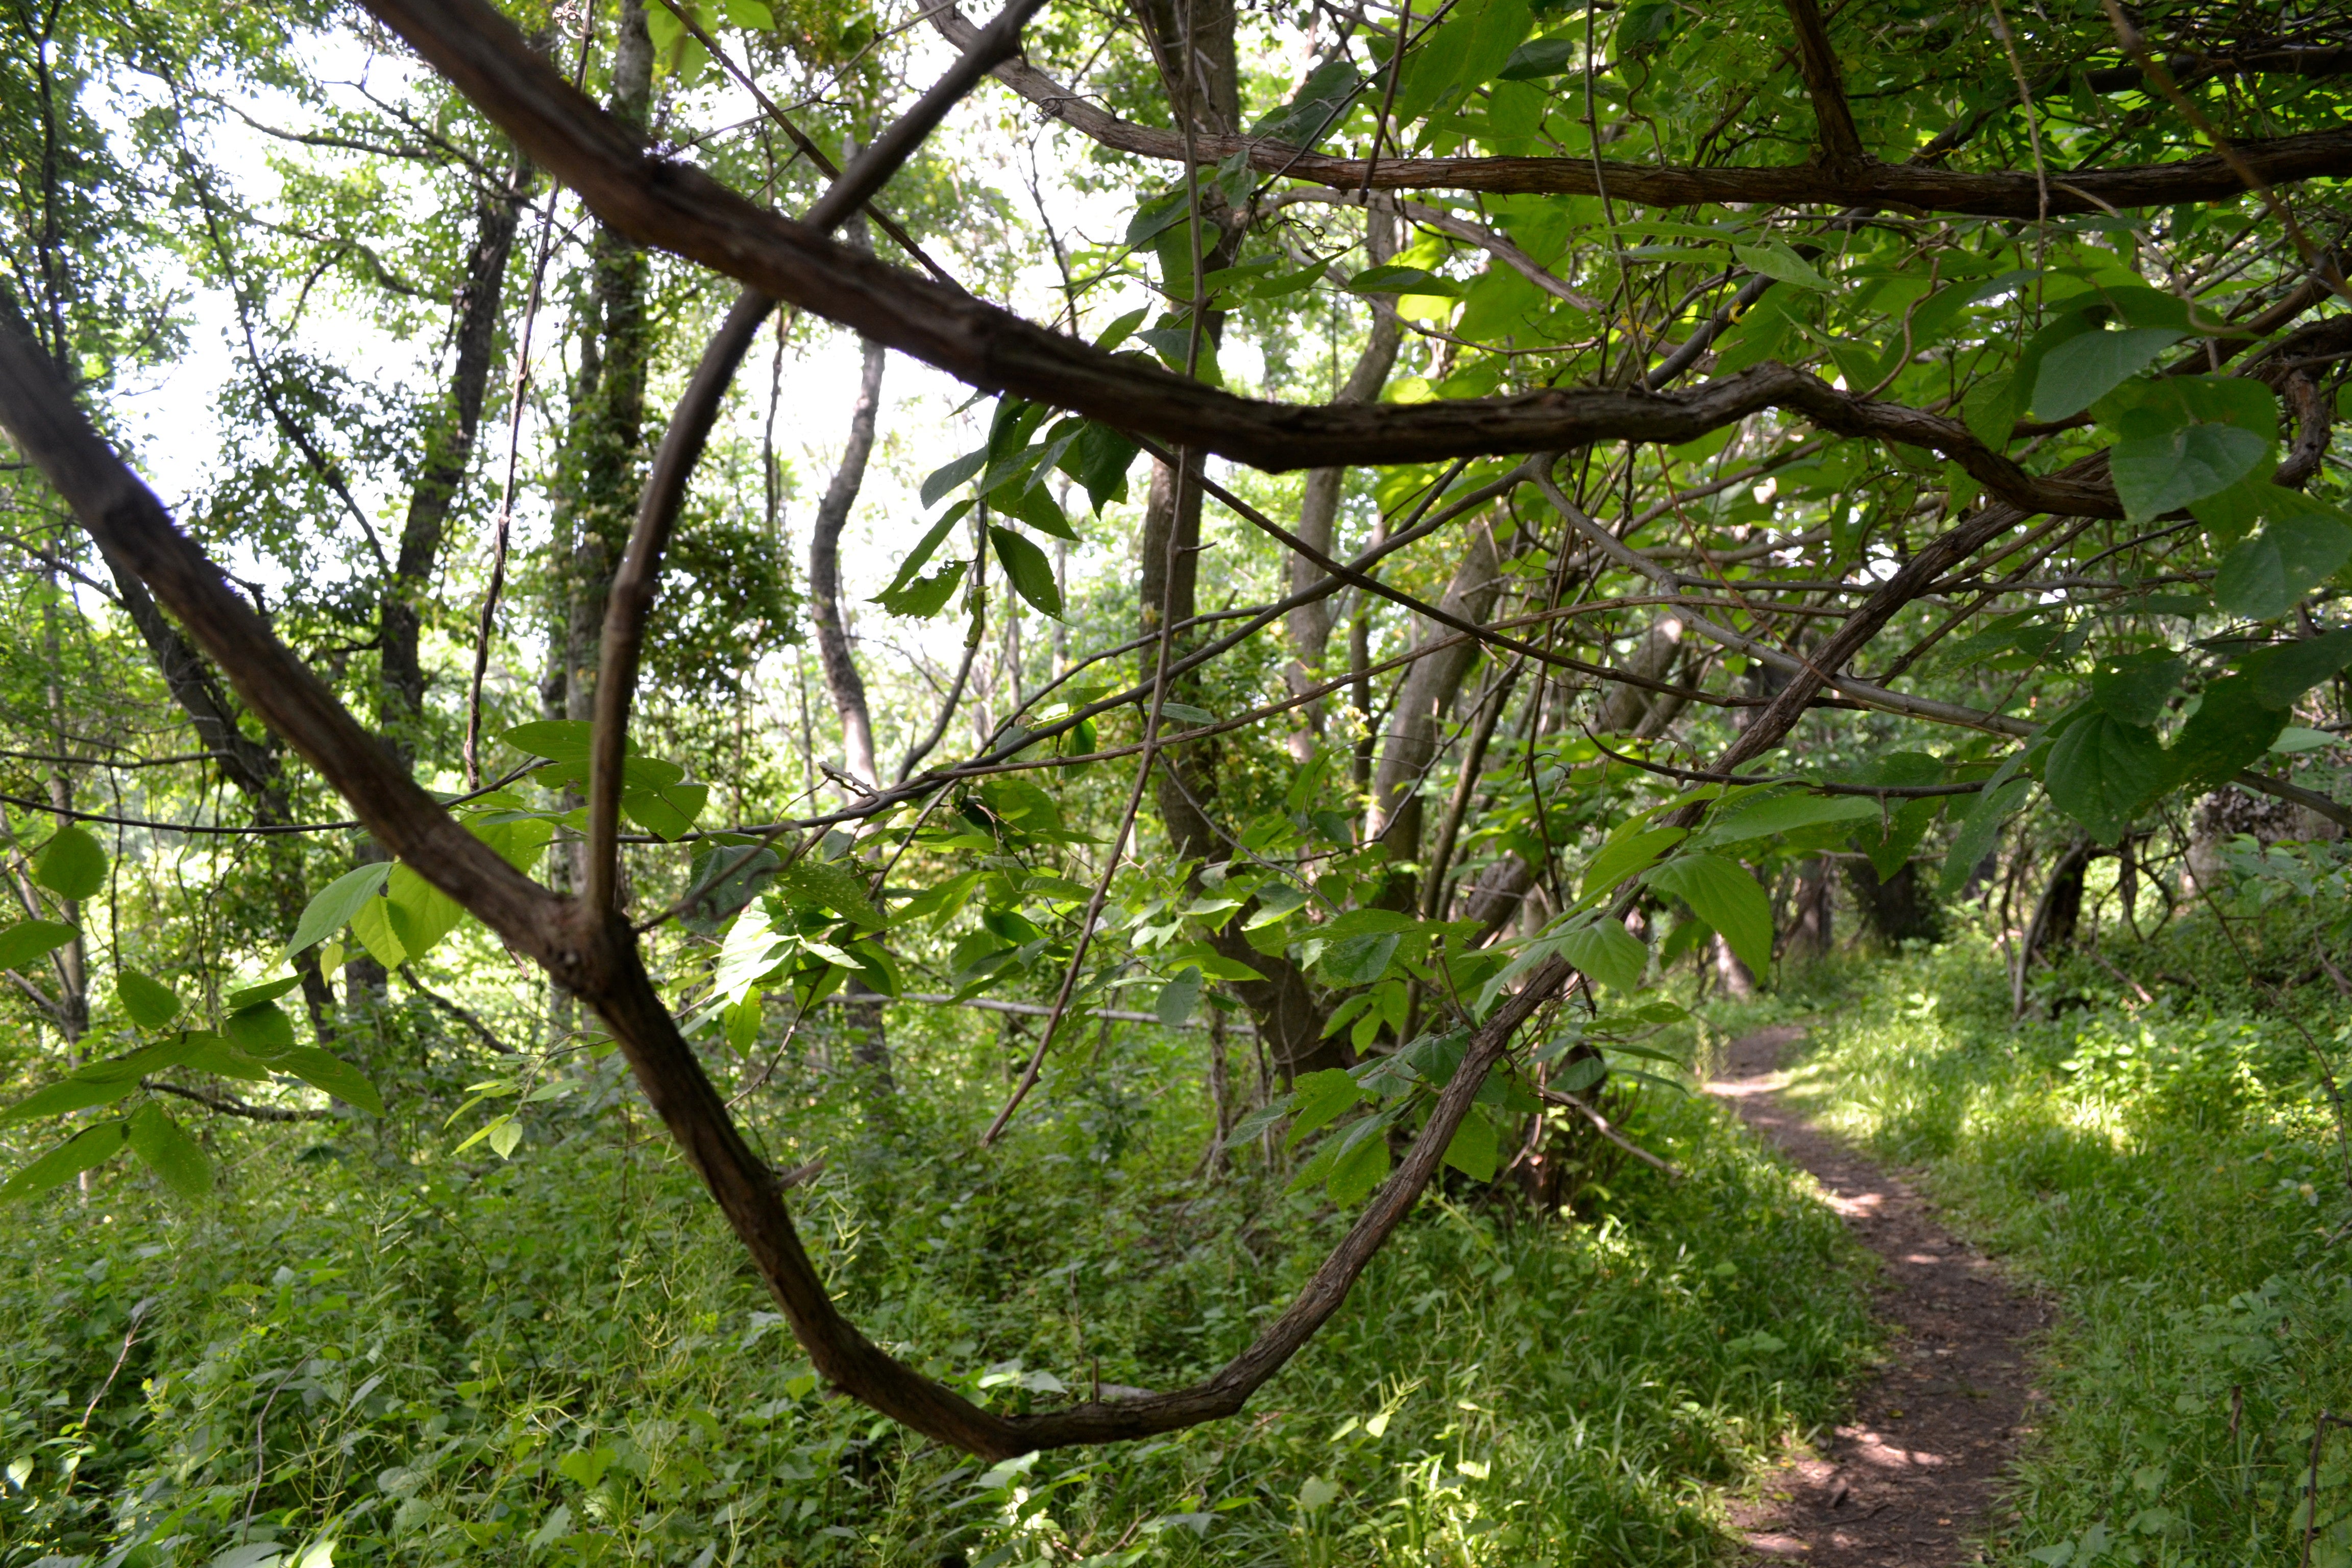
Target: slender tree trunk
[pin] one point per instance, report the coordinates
(1809, 933)
(1627, 709)
(825, 616)
(597, 481)
(1416, 725)
(1731, 971)
(1309, 626)
(448, 453)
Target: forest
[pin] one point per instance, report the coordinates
(1422, 782)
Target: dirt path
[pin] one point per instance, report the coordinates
(1909, 1481)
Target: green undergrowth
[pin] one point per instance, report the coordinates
(427, 1358)
(2165, 1167)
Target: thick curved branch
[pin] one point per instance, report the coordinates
(635, 583)
(1825, 85)
(2204, 178)
(681, 210)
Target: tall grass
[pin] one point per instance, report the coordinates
(2167, 1170)
(428, 1358)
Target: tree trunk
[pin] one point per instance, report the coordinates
(832, 627)
(1417, 722)
(870, 1043)
(1899, 910)
(1309, 626)
(1627, 709)
(1731, 972)
(448, 452)
(598, 501)
(2061, 909)
(1808, 936)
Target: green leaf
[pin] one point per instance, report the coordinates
(1979, 829)
(519, 841)
(722, 879)
(331, 1073)
(1319, 1097)
(666, 812)
(918, 557)
(1361, 1163)
(2082, 370)
(1026, 568)
(1542, 58)
(150, 1004)
(1257, 1121)
(170, 1153)
(29, 940)
(2158, 469)
(333, 908)
(1646, 24)
(1786, 813)
(2285, 671)
(1098, 460)
(255, 996)
(420, 913)
(1606, 951)
(1359, 960)
(212, 1053)
(1907, 825)
(832, 884)
(1178, 997)
(1772, 258)
(1991, 410)
(2230, 730)
(1621, 857)
(80, 1092)
(1475, 1150)
(1314, 108)
(1391, 278)
(557, 740)
(71, 865)
(2267, 576)
(1031, 503)
(1722, 893)
(263, 1030)
(944, 480)
(90, 1147)
(2136, 687)
(1123, 328)
(925, 596)
(2102, 771)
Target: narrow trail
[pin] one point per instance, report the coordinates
(1910, 1481)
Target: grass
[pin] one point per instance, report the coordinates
(2165, 1170)
(438, 1359)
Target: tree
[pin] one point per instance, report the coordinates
(1685, 442)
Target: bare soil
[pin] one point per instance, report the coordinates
(1912, 1478)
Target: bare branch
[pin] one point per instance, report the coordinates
(1919, 186)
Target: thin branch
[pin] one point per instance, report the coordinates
(1870, 184)
(635, 583)
(230, 1105)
